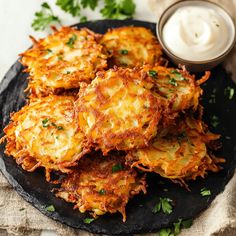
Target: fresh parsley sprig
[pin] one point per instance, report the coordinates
(44, 17)
(164, 204)
(112, 9)
(118, 9)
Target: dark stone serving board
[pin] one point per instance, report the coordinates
(140, 219)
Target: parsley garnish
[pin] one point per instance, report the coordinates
(117, 168)
(83, 19)
(152, 73)
(187, 223)
(45, 122)
(215, 121)
(92, 4)
(124, 51)
(205, 192)
(44, 17)
(173, 82)
(71, 41)
(49, 50)
(102, 192)
(50, 208)
(118, 9)
(176, 228)
(177, 75)
(228, 91)
(88, 220)
(164, 205)
(21, 209)
(70, 6)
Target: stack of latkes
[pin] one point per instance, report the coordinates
(102, 107)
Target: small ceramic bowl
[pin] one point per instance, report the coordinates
(195, 66)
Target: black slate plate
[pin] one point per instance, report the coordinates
(140, 219)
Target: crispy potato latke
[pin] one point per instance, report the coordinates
(177, 87)
(118, 110)
(45, 133)
(63, 60)
(181, 154)
(101, 184)
(132, 46)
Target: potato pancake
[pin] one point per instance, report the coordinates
(181, 154)
(132, 46)
(45, 133)
(177, 88)
(63, 60)
(101, 185)
(118, 110)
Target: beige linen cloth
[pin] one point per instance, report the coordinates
(218, 220)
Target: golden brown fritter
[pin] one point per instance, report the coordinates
(132, 46)
(118, 110)
(177, 87)
(101, 185)
(122, 108)
(45, 133)
(181, 154)
(63, 60)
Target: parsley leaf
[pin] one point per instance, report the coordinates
(118, 9)
(228, 91)
(187, 223)
(215, 121)
(177, 226)
(88, 220)
(165, 232)
(124, 51)
(83, 19)
(70, 6)
(205, 192)
(152, 73)
(102, 192)
(44, 17)
(45, 122)
(89, 3)
(71, 41)
(164, 205)
(173, 82)
(117, 168)
(50, 208)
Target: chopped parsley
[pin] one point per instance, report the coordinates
(173, 82)
(164, 204)
(59, 57)
(215, 121)
(45, 122)
(71, 41)
(102, 192)
(229, 92)
(217, 25)
(205, 192)
(176, 228)
(50, 208)
(177, 75)
(88, 220)
(117, 168)
(124, 51)
(21, 209)
(49, 50)
(152, 73)
(187, 223)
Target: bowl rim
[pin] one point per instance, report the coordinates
(185, 61)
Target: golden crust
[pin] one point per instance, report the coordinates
(101, 185)
(132, 46)
(45, 133)
(118, 110)
(181, 154)
(63, 60)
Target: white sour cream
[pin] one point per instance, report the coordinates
(197, 33)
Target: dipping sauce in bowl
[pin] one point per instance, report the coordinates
(196, 32)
